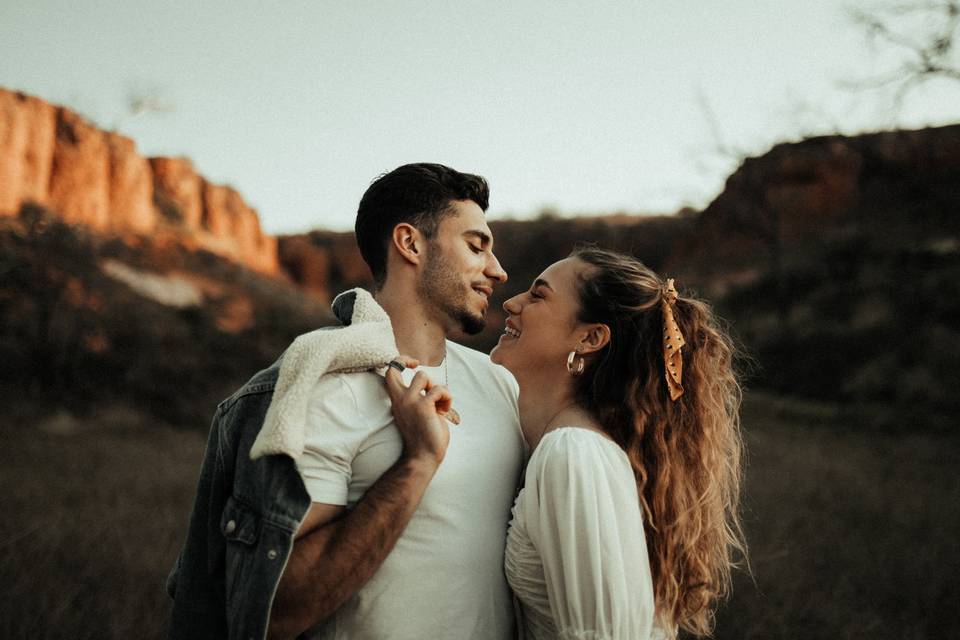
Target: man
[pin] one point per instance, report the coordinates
(403, 533)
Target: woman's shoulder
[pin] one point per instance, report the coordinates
(571, 451)
(578, 470)
(572, 440)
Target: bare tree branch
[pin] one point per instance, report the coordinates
(923, 34)
(720, 146)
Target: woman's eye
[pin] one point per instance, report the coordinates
(535, 294)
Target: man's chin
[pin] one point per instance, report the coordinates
(471, 324)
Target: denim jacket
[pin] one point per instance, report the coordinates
(243, 522)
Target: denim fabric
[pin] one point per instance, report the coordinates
(244, 517)
(242, 526)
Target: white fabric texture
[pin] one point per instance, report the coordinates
(366, 343)
(576, 554)
(444, 578)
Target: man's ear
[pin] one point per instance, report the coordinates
(595, 337)
(409, 242)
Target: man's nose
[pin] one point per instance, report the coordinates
(494, 271)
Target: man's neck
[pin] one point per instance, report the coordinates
(418, 335)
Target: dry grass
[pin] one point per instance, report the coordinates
(852, 535)
(93, 518)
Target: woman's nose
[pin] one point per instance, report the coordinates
(512, 306)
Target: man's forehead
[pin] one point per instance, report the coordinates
(466, 220)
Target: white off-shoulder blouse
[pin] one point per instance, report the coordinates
(576, 554)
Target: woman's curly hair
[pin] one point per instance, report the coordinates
(685, 453)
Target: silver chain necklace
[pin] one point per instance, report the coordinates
(452, 415)
(446, 381)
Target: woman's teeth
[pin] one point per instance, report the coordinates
(511, 332)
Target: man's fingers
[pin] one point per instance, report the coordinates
(440, 396)
(394, 380)
(395, 386)
(410, 363)
(421, 382)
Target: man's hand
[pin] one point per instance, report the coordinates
(419, 412)
(337, 550)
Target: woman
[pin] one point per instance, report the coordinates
(627, 521)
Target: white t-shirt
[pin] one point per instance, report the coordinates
(576, 552)
(444, 578)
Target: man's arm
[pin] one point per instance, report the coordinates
(335, 554)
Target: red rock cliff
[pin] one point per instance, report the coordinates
(51, 156)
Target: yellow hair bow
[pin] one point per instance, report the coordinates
(672, 342)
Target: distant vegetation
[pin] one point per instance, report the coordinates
(74, 337)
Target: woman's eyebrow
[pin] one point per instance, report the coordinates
(540, 282)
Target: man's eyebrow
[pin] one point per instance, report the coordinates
(540, 282)
(484, 237)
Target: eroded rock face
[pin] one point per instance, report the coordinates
(27, 128)
(229, 225)
(798, 191)
(307, 264)
(131, 187)
(176, 180)
(324, 262)
(80, 177)
(52, 156)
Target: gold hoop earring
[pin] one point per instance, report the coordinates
(577, 369)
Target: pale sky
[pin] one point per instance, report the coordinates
(585, 107)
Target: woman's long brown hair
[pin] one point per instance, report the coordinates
(686, 454)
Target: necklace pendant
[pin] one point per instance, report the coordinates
(453, 416)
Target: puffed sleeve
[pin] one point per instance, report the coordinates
(588, 531)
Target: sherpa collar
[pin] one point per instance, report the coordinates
(364, 342)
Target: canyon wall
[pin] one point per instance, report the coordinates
(51, 156)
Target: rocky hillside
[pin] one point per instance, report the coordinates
(94, 323)
(904, 185)
(135, 280)
(836, 260)
(51, 156)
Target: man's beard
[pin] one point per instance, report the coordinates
(443, 290)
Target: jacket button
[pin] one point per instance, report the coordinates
(231, 527)
(272, 554)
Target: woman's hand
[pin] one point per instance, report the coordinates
(419, 412)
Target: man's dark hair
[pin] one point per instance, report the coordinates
(419, 194)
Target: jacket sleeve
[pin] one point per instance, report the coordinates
(196, 582)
